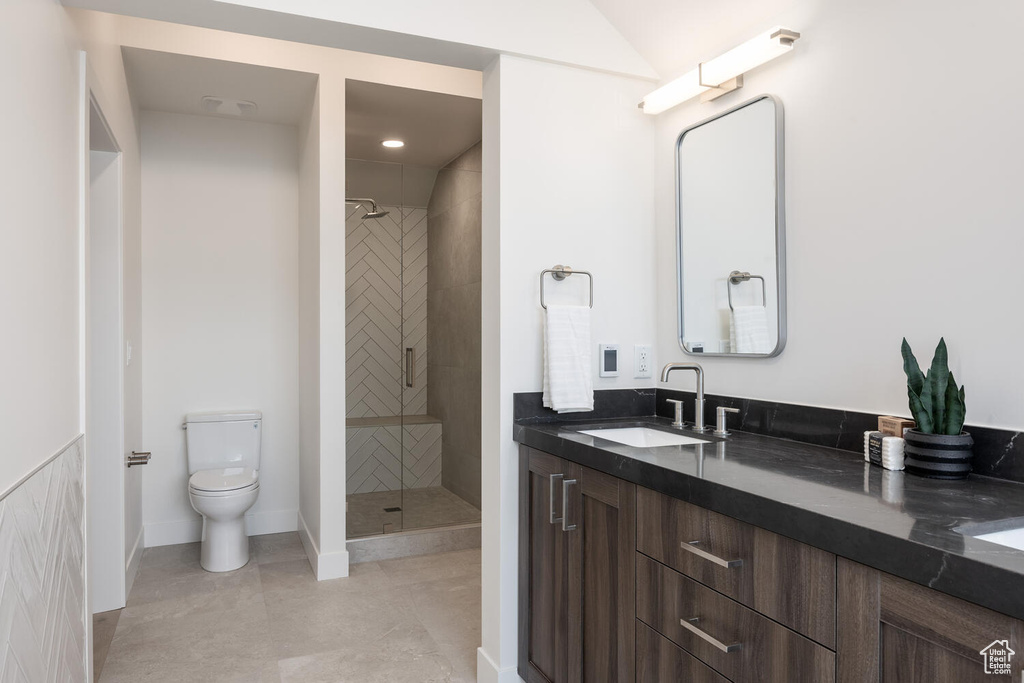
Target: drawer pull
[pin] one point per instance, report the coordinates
(555, 519)
(691, 626)
(728, 564)
(565, 505)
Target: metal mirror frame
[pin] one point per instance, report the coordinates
(780, 228)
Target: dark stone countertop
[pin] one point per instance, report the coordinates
(895, 522)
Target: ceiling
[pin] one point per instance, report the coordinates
(435, 127)
(164, 81)
(674, 35)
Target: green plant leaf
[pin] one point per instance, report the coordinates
(935, 383)
(921, 416)
(956, 410)
(915, 378)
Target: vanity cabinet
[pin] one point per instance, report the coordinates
(620, 583)
(895, 631)
(577, 581)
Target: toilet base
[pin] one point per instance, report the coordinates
(225, 546)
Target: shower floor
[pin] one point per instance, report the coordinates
(421, 508)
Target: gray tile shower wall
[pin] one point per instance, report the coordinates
(453, 309)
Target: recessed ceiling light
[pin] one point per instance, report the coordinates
(228, 107)
(392, 143)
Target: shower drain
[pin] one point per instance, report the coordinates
(395, 509)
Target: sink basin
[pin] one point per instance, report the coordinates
(1008, 532)
(642, 437)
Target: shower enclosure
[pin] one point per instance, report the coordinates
(398, 389)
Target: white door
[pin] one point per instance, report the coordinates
(112, 489)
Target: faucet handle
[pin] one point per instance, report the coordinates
(678, 421)
(720, 413)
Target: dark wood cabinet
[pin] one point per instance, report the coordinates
(620, 584)
(895, 631)
(577, 573)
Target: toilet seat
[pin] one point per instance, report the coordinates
(224, 481)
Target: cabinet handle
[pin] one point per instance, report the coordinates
(555, 519)
(691, 626)
(728, 564)
(565, 505)
(410, 366)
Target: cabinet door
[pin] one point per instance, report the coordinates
(543, 570)
(602, 577)
(895, 631)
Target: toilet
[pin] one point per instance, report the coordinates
(224, 481)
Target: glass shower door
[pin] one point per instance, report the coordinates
(374, 363)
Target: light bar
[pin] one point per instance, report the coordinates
(720, 71)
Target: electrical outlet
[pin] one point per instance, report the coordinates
(642, 361)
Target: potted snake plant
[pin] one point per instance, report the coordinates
(938, 447)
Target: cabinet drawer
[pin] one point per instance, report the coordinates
(659, 660)
(791, 582)
(736, 641)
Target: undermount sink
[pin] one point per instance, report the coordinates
(1008, 533)
(642, 437)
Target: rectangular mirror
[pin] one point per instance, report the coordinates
(730, 235)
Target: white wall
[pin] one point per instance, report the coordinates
(309, 328)
(569, 154)
(904, 210)
(39, 271)
(220, 304)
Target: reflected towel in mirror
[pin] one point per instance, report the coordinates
(748, 330)
(568, 381)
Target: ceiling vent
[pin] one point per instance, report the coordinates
(227, 107)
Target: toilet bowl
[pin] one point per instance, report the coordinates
(223, 500)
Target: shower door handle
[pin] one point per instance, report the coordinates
(410, 366)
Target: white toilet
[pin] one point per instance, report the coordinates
(224, 481)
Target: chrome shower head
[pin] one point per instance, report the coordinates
(375, 211)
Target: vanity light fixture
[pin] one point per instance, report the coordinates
(392, 143)
(722, 74)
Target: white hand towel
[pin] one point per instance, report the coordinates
(568, 380)
(748, 330)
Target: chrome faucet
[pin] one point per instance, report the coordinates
(698, 403)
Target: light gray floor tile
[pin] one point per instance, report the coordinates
(450, 611)
(407, 570)
(403, 654)
(221, 639)
(173, 571)
(104, 625)
(414, 619)
(276, 548)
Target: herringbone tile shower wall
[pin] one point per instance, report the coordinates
(42, 575)
(375, 301)
(386, 313)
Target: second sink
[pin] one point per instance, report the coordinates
(642, 437)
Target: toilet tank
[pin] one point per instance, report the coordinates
(223, 439)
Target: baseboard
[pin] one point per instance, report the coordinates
(191, 530)
(325, 566)
(131, 568)
(488, 672)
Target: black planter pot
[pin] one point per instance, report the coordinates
(939, 456)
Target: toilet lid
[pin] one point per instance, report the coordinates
(226, 479)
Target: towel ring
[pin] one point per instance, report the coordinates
(736, 277)
(560, 273)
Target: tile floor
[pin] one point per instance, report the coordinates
(413, 619)
(423, 508)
